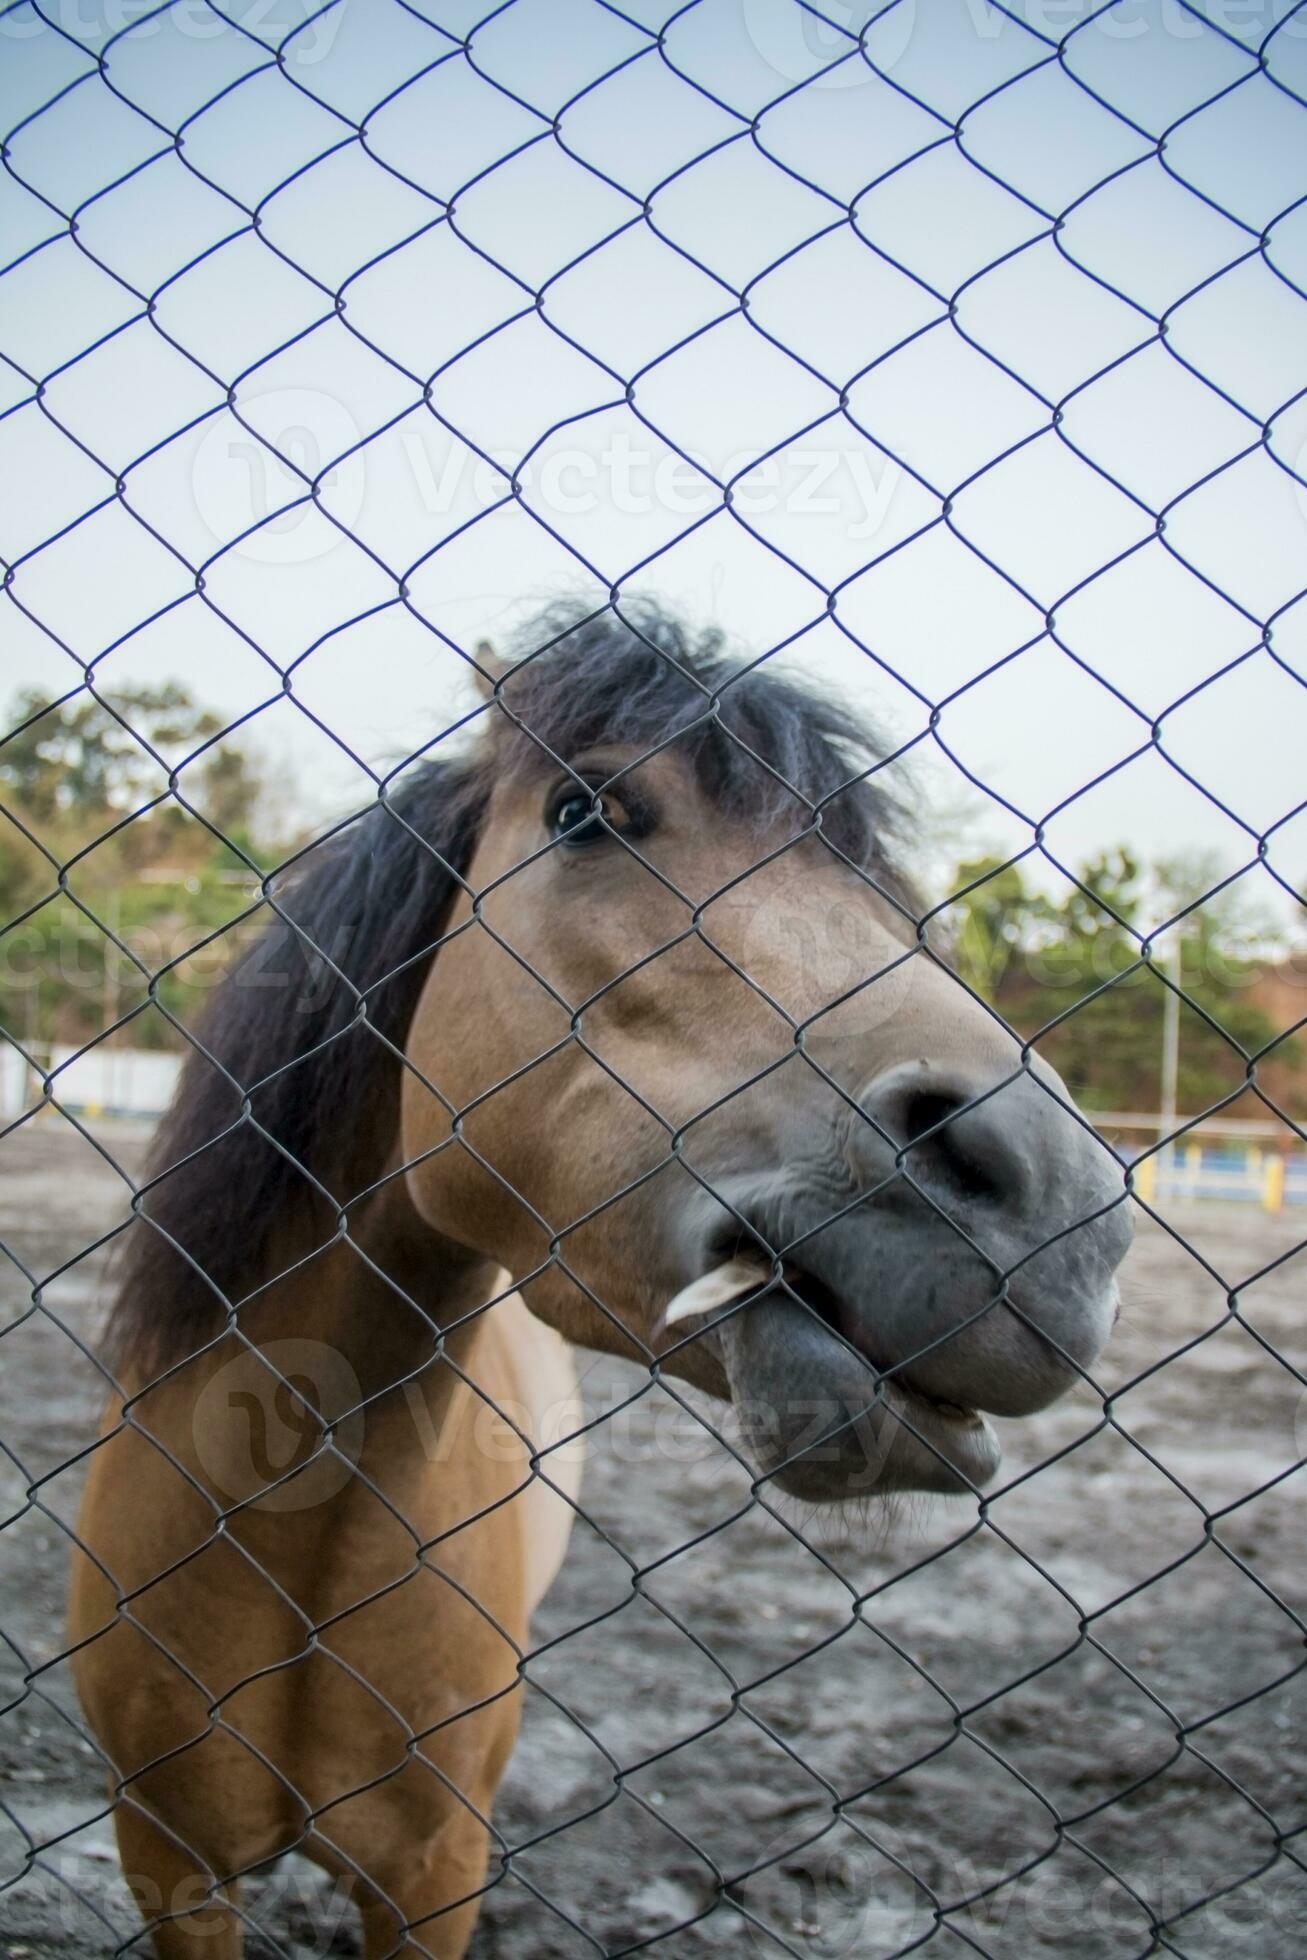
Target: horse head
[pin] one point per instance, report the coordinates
(686, 1062)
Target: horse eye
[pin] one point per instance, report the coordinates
(577, 820)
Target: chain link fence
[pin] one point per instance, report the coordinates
(953, 359)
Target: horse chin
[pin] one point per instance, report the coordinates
(821, 1423)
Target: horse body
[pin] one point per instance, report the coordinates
(333, 1668)
(628, 997)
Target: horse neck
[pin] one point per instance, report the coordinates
(380, 1296)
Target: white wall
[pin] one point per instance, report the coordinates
(13, 1077)
(129, 1081)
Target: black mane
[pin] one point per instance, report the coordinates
(292, 1086)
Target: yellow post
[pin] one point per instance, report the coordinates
(1193, 1159)
(1145, 1179)
(1273, 1183)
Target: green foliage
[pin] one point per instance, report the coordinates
(95, 844)
(1071, 975)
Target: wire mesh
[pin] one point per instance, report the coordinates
(1067, 1717)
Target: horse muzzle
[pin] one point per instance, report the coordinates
(966, 1265)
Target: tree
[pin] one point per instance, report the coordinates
(76, 769)
(1071, 975)
(95, 846)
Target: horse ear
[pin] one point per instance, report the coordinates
(487, 669)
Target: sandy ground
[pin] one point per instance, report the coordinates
(1028, 1733)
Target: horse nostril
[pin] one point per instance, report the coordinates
(950, 1135)
(924, 1110)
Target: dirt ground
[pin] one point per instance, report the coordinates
(1033, 1731)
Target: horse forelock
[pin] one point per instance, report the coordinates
(759, 742)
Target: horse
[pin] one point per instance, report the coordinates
(614, 1021)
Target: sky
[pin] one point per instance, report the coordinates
(992, 322)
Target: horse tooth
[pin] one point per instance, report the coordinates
(742, 1274)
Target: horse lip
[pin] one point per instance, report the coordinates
(725, 1287)
(896, 1377)
(962, 1437)
(953, 1409)
(957, 1413)
(961, 1451)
